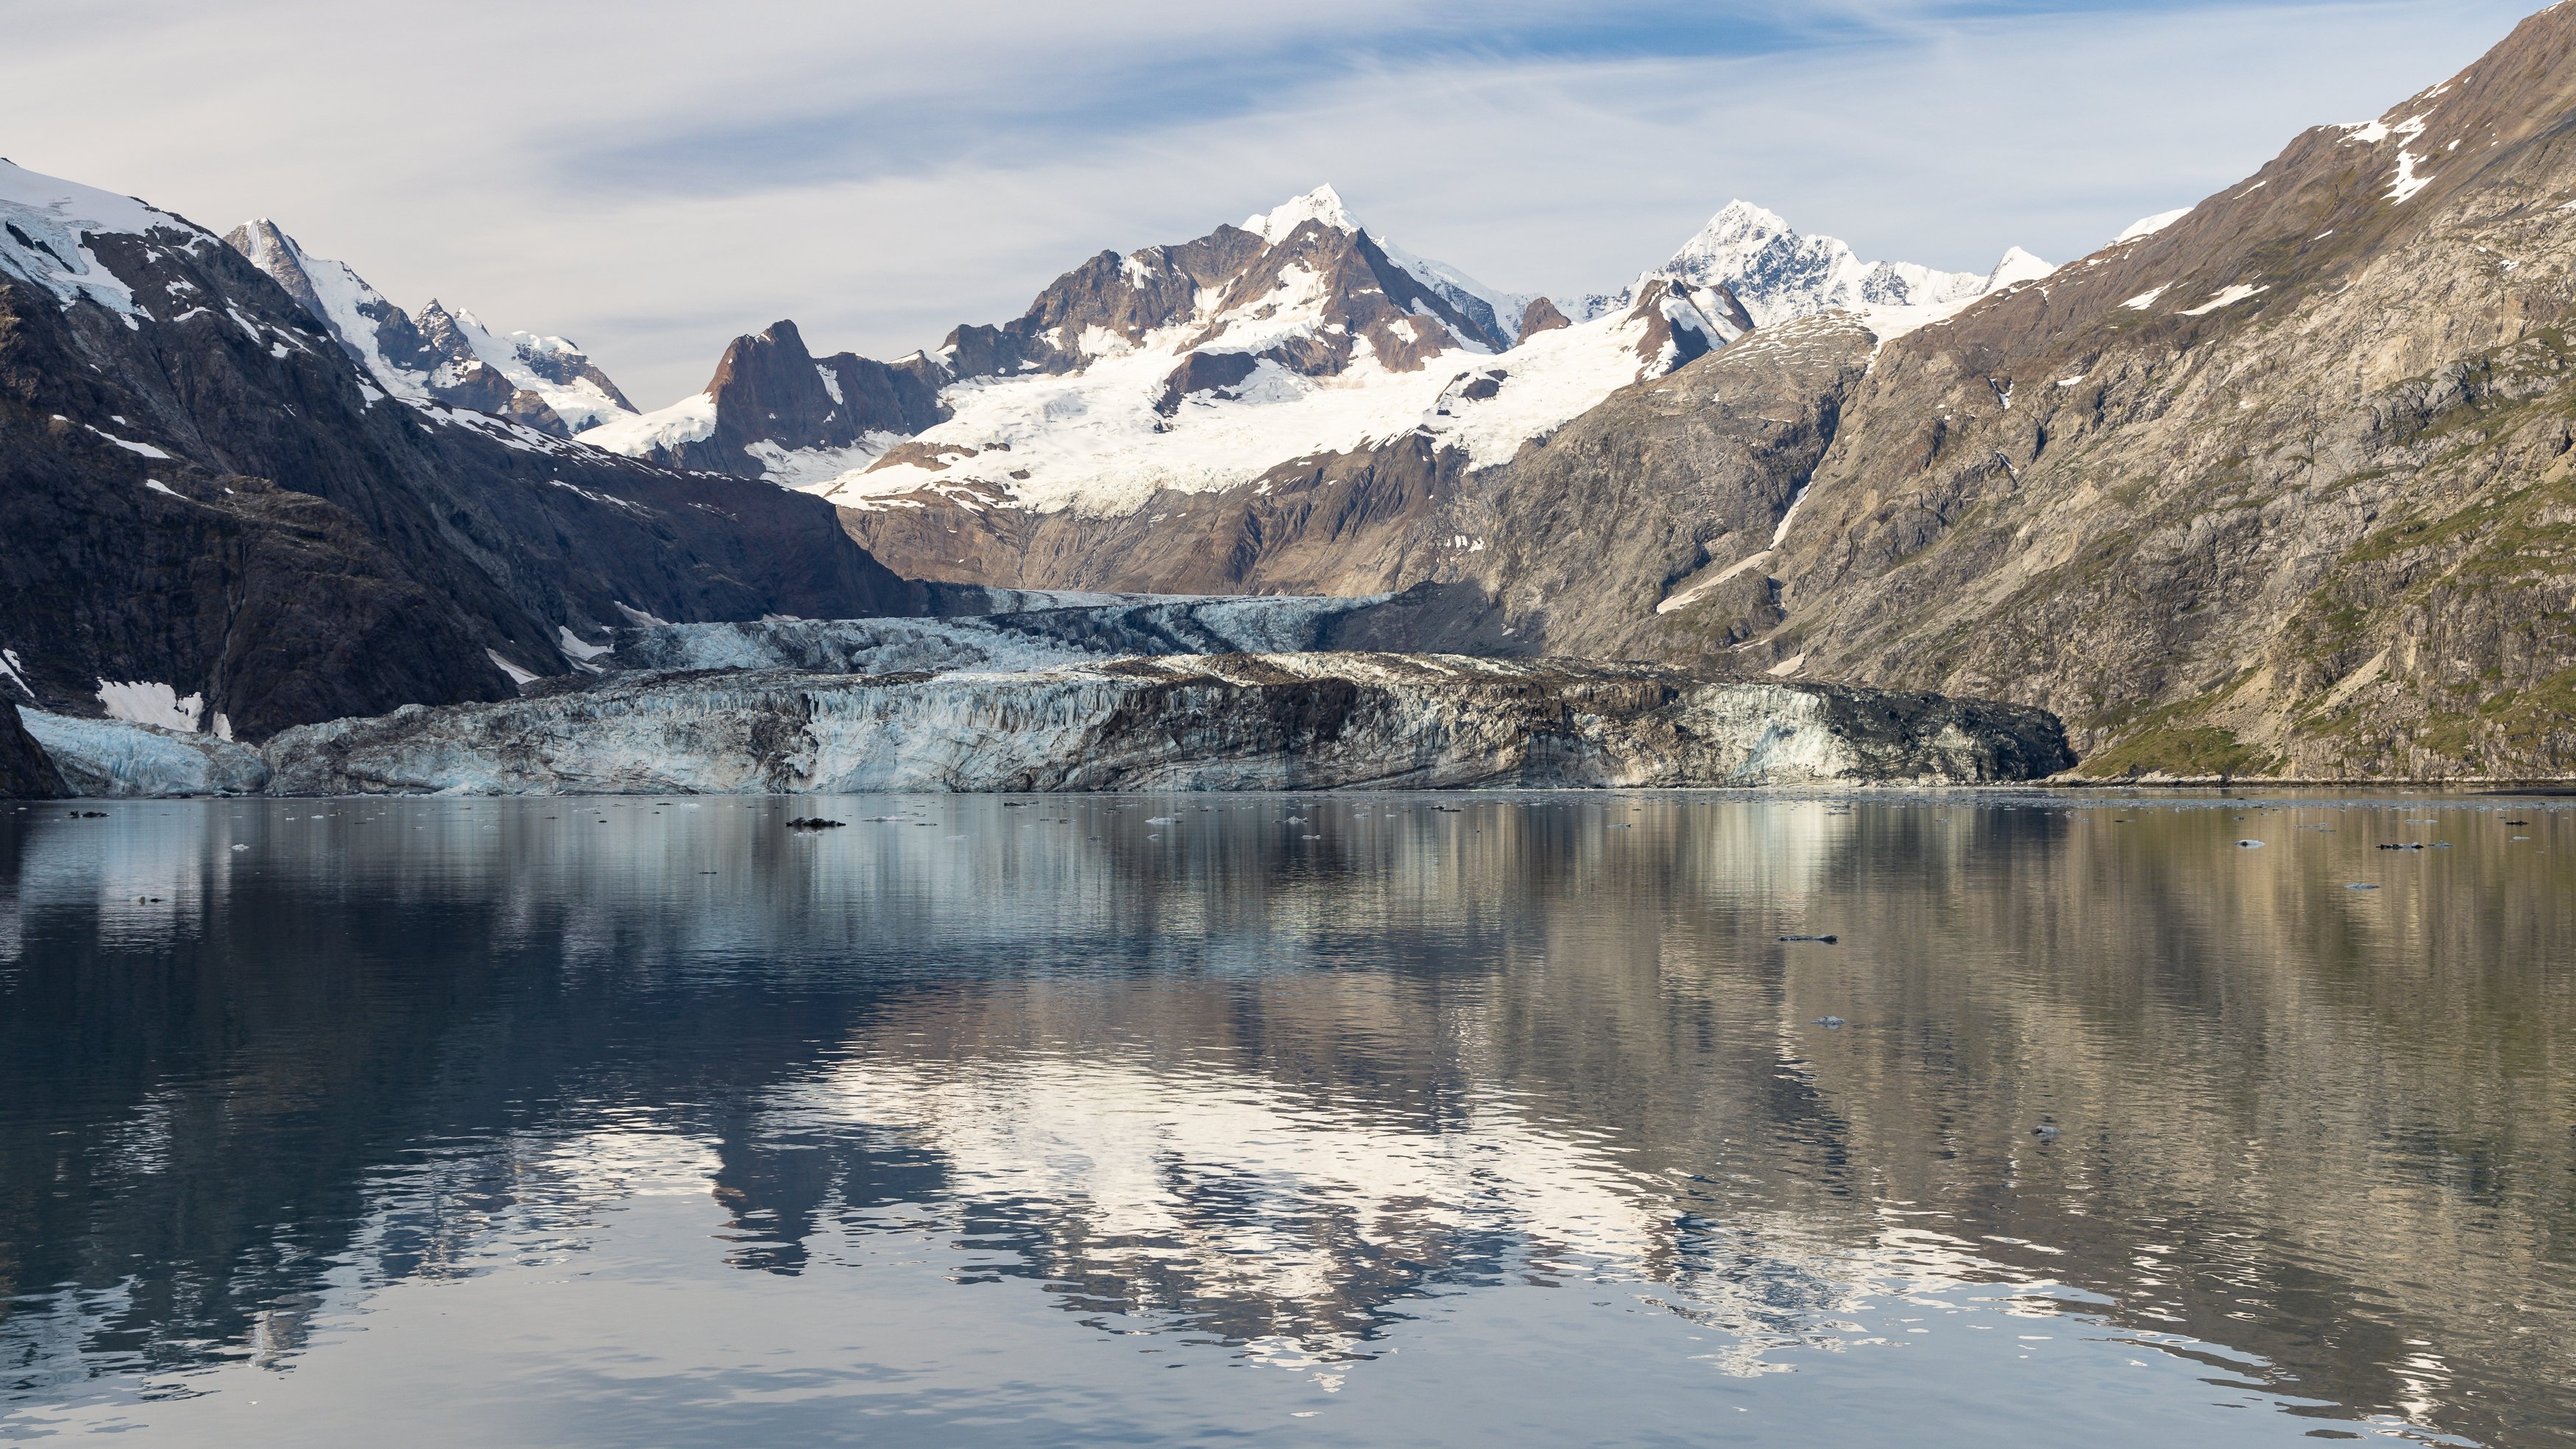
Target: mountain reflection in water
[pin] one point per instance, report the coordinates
(1320, 1089)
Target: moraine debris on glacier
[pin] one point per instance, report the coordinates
(1224, 722)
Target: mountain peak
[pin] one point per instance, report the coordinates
(50, 221)
(1322, 204)
(2150, 225)
(438, 353)
(1739, 216)
(2017, 266)
(1776, 272)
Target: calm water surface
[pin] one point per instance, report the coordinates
(1281, 1120)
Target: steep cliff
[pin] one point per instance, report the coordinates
(2282, 487)
(216, 518)
(25, 771)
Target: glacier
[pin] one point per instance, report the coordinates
(1179, 722)
(122, 758)
(1088, 693)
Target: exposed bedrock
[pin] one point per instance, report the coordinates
(1230, 722)
(25, 771)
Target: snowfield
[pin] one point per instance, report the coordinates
(55, 217)
(1095, 440)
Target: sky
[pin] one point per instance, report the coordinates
(653, 178)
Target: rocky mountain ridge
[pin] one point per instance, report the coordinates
(2280, 485)
(1199, 367)
(436, 354)
(215, 516)
(2285, 486)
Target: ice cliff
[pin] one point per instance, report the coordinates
(1225, 722)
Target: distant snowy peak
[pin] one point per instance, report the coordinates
(1496, 313)
(438, 354)
(356, 314)
(1193, 365)
(1500, 313)
(1323, 204)
(1165, 415)
(777, 410)
(1778, 273)
(2150, 225)
(45, 223)
(2018, 266)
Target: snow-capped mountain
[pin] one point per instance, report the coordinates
(1194, 367)
(438, 354)
(1777, 273)
(1297, 333)
(218, 521)
(46, 225)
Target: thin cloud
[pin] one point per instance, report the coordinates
(650, 181)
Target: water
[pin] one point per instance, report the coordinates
(1290, 1120)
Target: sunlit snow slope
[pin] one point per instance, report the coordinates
(1202, 366)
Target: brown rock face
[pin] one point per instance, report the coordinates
(2285, 488)
(1542, 316)
(770, 390)
(1569, 548)
(1203, 372)
(768, 395)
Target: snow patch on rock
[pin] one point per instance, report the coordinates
(152, 703)
(2227, 298)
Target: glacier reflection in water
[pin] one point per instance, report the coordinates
(1379, 1119)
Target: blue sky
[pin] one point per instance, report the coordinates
(652, 178)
